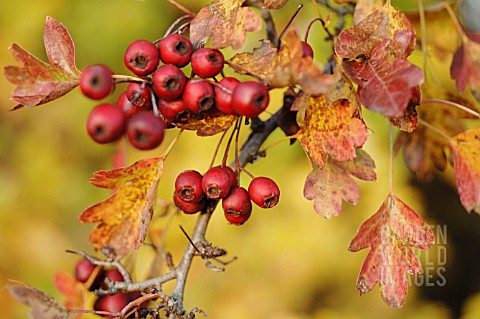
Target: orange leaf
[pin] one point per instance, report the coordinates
(226, 22)
(363, 8)
(124, 217)
(466, 151)
(390, 233)
(39, 82)
(274, 4)
(331, 130)
(73, 291)
(209, 125)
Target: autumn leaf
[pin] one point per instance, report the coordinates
(274, 4)
(328, 186)
(384, 83)
(39, 82)
(363, 8)
(383, 24)
(390, 234)
(226, 22)
(330, 130)
(43, 306)
(124, 217)
(408, 120)
(284, 68)
(465, 67)
(73, 290)
(209, 125)
(424, 149)
(466, 153)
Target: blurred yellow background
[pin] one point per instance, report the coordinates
(292, 263)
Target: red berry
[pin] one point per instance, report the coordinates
(174, 111)
(113, 304)
(145, 131)
(188, 186)
(106, 123)
(223, 100)
(198, 96)
(231, 173)
(139, 94)
(216, 183)
(207, 62)
(83, 270)
(307, 50)
(127, 107)
(250, 98)
(96, 81)
(264, 192)
(175, 49)
(188, 207)
(168, 82)
(114, 275)
(237, 207)
(141, 57)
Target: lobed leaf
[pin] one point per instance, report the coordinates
(124, 217)
(274, 4)
(330, 130)
(390, 233)
(73, 290)
(466, 153)
(39, 82)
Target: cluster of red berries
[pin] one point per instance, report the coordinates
(162, 95)
(96, 277)
(220, 182)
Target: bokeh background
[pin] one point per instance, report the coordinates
(292, 263)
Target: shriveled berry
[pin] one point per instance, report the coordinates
(188, 186)
(250, 98)
(223, 99)
(175, 49)
(96, 81)
(145, 131)
(237, 207)
(106, 123)
(264, 192)
(216, 183)
(168, 82)
(198, 96)
(141, 57)
(207, 62)
(189, 207)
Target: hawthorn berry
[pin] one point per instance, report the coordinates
(236, 206)
(216, 183)
(231, 174)
(141, 57)
(198, 96)
(207, 62)
(124, 104)
(250, 98)
(96, 81)
(264, 192)
(223, 100)
(307, 50)
(112, 275)
(139, 95)
(114, 303)
(106, 123)
(145, 131)
(168, 82)
(189, 207)
(188, 186)
(83, 270)
(173, 111)
(175, 49)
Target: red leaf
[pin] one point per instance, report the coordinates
(465, 67)
(384, 83)
(39, 82)
(390, 233)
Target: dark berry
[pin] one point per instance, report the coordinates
(216, 183)
(264, 192)
(236, 206)
(307, 50)
(207, 62)
(198, 96)
(250, 98)
(141, 57)
(83, 270)
(188, 207)
(168, 82)
(174, 111)
(223, 99)
(106, 123)
(96, 81)
(188, 186)
(175, 49)
(139, 94)
(113, 304)
(145, 131)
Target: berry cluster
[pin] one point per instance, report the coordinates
(192, 190)
(161, 95)
(97, 277)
